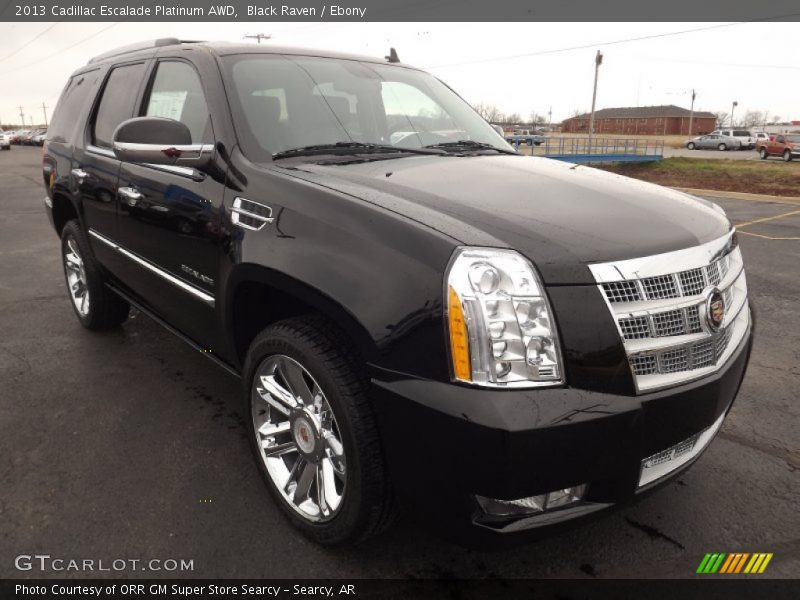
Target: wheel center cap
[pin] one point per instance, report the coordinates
(305, 435)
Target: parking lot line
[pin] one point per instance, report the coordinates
(761, 220)
(739, 226)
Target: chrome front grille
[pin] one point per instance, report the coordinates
(660, 306)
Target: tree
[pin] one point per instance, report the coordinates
(722, 117)
(514, 118)
(489, 112)
(537, 119)
(752, 118)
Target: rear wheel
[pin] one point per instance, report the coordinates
(313, 433)
(787, 155)
(95, 305)
(763, 154)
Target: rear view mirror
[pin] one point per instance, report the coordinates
(159, 141)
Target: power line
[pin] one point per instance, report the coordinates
(29, 42)
(609, 43)
(79, 42)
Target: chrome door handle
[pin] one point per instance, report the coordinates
(79, 175)
(130, 193)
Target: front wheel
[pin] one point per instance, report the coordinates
(313, 433)
(95, 305)
(763, 154)
(690, 146)
(787, 155)
(723, 147)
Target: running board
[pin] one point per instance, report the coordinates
(204, 351)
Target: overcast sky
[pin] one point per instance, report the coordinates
(725, 62)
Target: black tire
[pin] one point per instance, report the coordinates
(106, 309)
(763, 154)
(690, 146)
(787, 155)
(368, 505)
(723, 147)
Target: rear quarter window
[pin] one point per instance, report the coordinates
(69, 109)
(117, 103)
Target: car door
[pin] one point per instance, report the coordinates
(94, 173)
(169, 216)
(706, 141)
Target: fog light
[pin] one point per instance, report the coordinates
(531, 504)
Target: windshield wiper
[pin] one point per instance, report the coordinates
(350, 148)
(469, 145)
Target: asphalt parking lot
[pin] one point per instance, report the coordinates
(128, 444)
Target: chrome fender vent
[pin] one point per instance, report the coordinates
(250, 215)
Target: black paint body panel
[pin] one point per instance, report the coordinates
(367, 244)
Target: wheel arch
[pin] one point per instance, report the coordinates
(64, 210)
(258, 296)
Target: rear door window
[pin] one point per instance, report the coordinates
(68, 110)
(177, 94)
(117, 103)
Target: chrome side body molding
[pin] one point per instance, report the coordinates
(186, 287)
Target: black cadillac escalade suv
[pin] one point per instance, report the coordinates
(416, 312)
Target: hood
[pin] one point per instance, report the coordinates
(562, 216)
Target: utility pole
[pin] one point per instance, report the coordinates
(691, 114)
(44, 110)
(733, 106)
(21, 115)
(550, 118)
(258, 37)
(598, 60)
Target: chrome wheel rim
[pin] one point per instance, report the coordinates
(298, 438)
(76, 278)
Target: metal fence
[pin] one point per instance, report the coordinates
(600, 149)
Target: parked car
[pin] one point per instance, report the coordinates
(713, 140)
(746, 139)
(28, 138)
(5, 140)
(39, 137)
(760, 136)
(525, 136)
(442, 321)
(785, 145)
(18, 135)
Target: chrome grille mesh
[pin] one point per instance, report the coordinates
(635, 328)
(660, 305)
(670, 322)
(660, 287)
(692, 283)
(622, 291)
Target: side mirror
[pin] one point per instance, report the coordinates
(159, 141)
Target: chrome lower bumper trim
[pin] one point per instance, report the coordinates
(663, 463)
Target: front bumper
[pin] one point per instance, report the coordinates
(446, 443)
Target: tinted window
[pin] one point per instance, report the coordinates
(68, 110)
(177, 94)
(282, 102)
(741, 132)
(117, 102)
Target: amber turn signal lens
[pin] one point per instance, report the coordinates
(459, 342)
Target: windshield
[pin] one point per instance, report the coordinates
(286, 102)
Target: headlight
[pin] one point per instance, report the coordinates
(501, 327)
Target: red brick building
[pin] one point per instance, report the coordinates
(643, 120)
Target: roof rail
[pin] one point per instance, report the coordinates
(150, 44)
